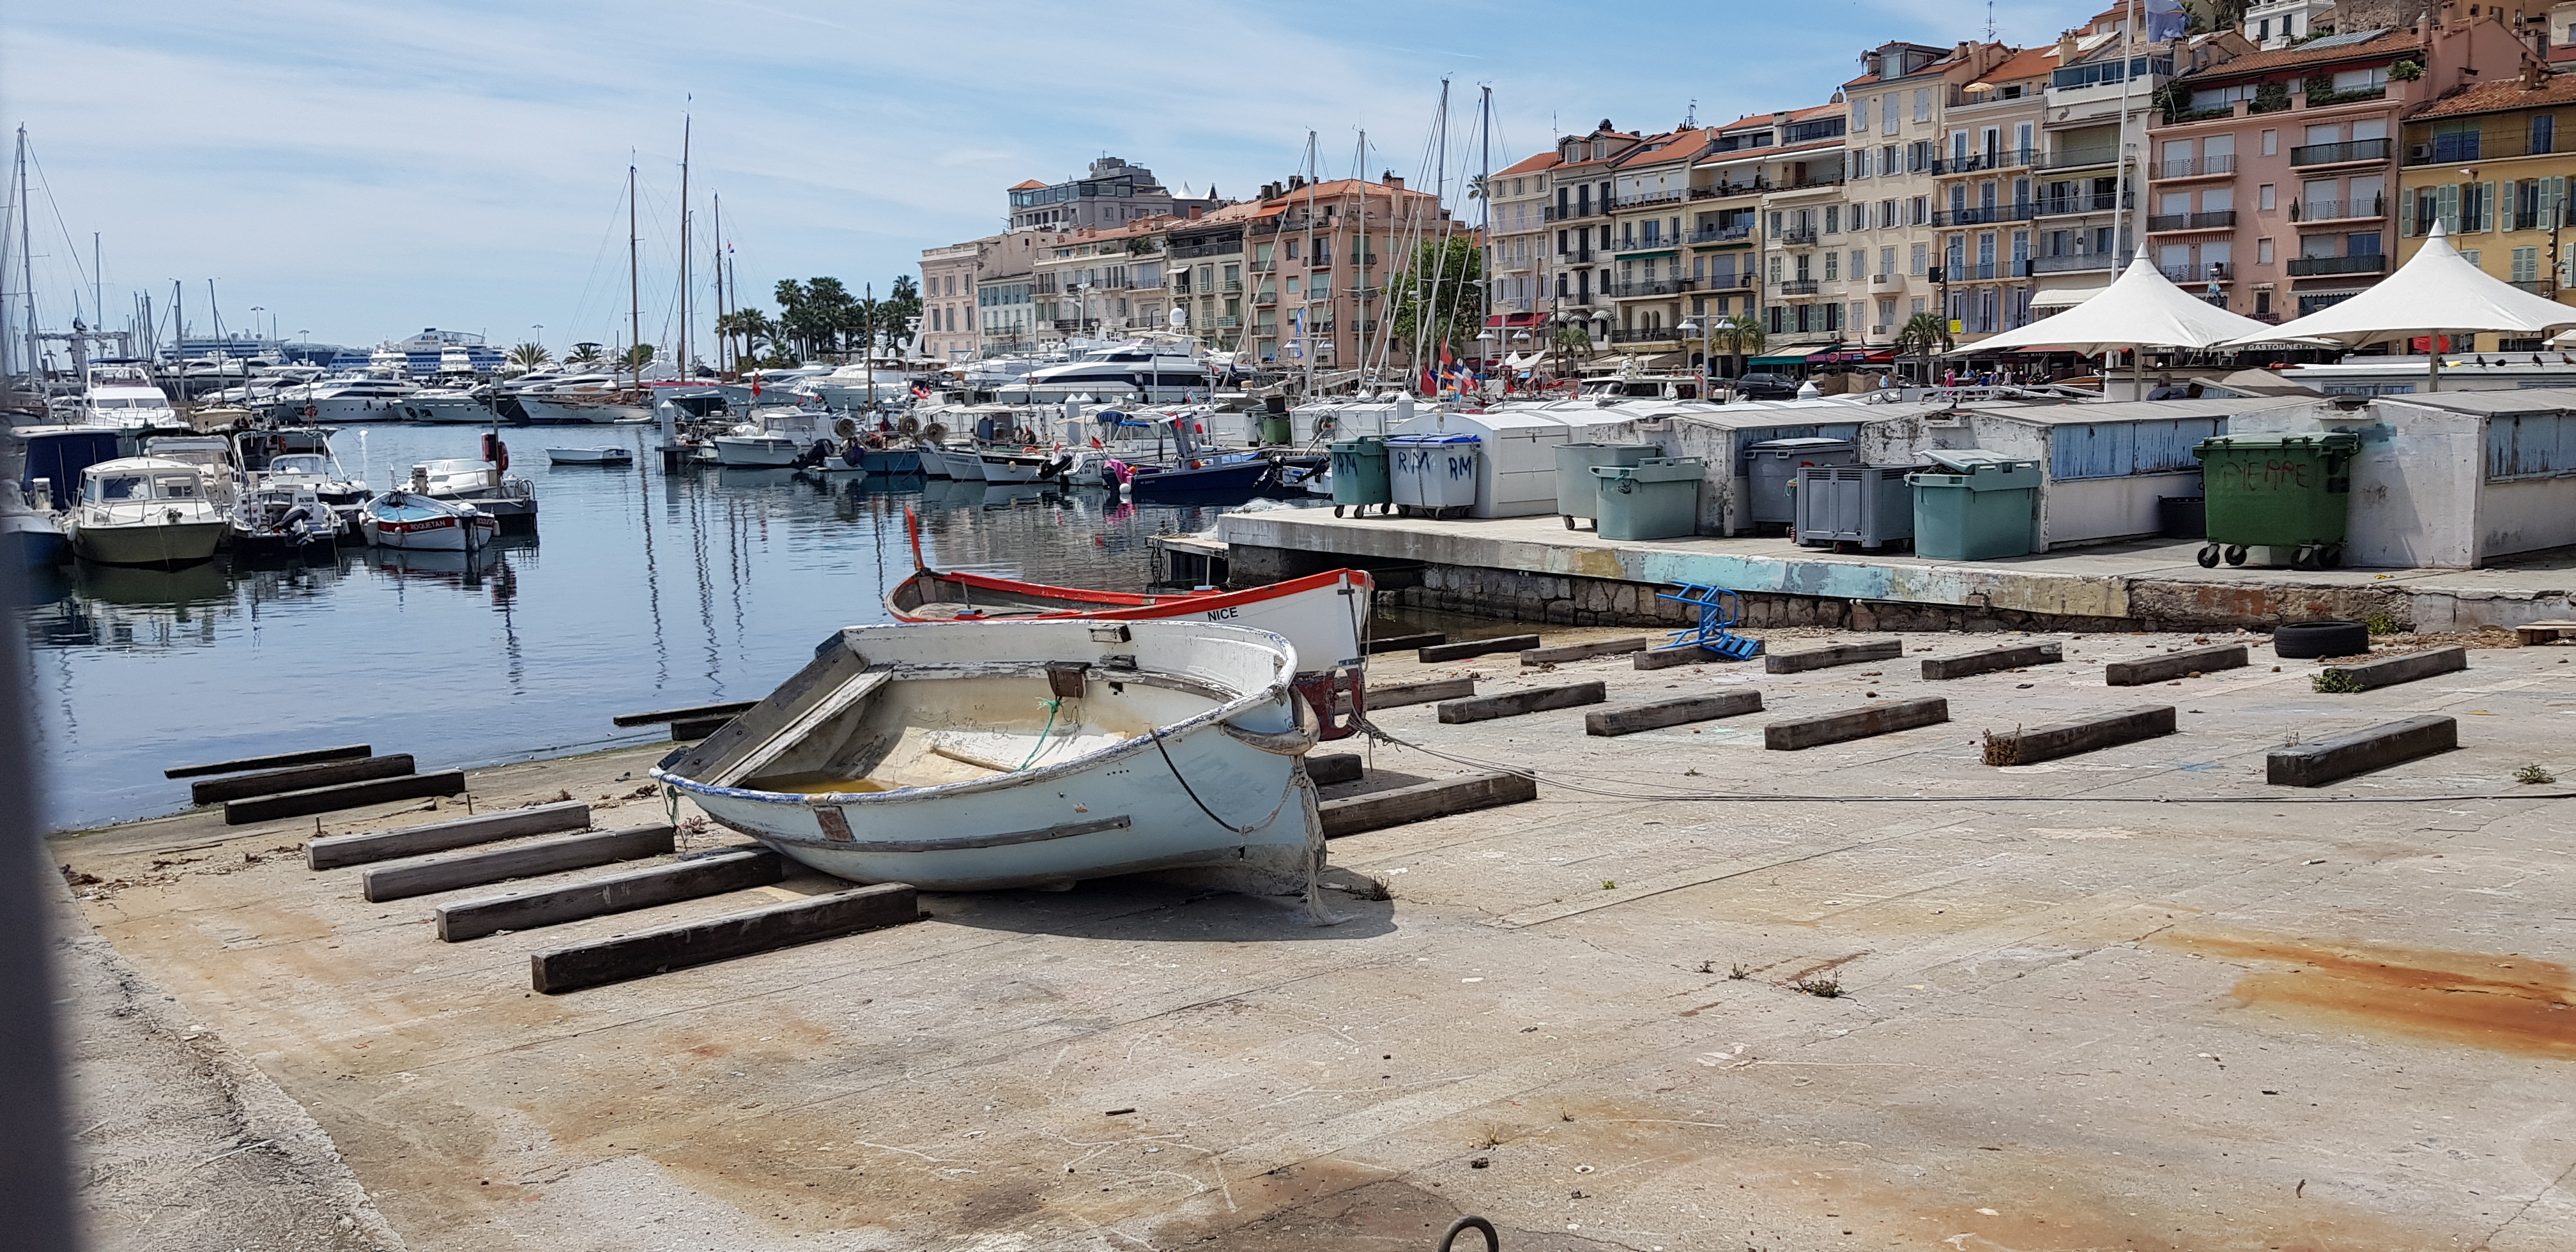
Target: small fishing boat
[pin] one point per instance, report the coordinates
(146, 511)
(1025, 466)
(986, 755)
(891, 460)
(410, 519)
(590, 456)
(963, 464)
(1231, 476)
(286, 517)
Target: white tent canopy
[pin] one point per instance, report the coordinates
(2143, 309)
(2437, 291)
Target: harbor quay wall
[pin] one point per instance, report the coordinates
(1591, 584)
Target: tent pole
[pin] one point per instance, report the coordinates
(2138, 373)
(2432, 361)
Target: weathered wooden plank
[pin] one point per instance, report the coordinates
(463, 832)
(695, 712)
(270, 782)
(698, 728)
(2534, 634)
(1515, 703)
(2172, 665)
(546, 856)
(1993, 659)
(343, 796)
(723, 938)
(1398, 695)
(1406, 643)
(1424, 801)
(1832, 655)
(1565, 652)
(733, 869)
(1465, 648)
(2047, 743)
(2394, 743)
(2388, 671)
(1859, 723)
(1328, 768)
(1661, 713)
(1666, 658)
(277, 760)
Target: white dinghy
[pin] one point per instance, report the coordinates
(970, 755)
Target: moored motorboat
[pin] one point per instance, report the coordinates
(962, 464)
(409, 519)
(146, 511)
(590, 456)
(1010, 754)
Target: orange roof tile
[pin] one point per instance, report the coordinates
(2498, 97)
(1027, 184)
(1544, 160)
(2027, 63)
(2388, 43)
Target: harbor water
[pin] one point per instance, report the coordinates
(642, 591)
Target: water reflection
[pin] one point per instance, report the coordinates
(647, 590)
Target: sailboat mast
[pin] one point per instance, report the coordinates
(685, 125)
(724, 344)
(26, 256)
(1485, 229)
(634, 288)
(1306, 316)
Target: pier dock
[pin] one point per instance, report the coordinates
(2127, 996)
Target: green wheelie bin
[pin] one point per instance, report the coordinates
(2278, 491)
(1360, 477)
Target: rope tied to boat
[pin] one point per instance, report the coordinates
(1051, 707)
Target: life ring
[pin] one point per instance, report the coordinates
(312, 411)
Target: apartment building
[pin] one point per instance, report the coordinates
(948, 320)
(1986, 198)
(2272, 25)
(992, 306)
(1650, 202)
(1578, 219)
(2486, 163)
(1103, 283)
(1517, 256)
(1804, 284)
(2273, 175)
(1322, 255)
(1898, 113)
(1112, 194)
(1740, 166)
(1204, 263)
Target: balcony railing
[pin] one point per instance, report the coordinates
(2337, 210)
(1654, 287)
(2166, 223)
(1230, 247)
(2339, 153)
(1655, 243)
(1575, 256)
(1722, 234)
(2078, 160)
(2206, 272)
(1643, 198)
(1570, 212)
(1798, 287)
(1726, 282)
(2309, 266)
(1265, 267)
(1887, 282)
(1980, 271)
(1798, 235)
(2021, 211)
(1264, 299)
(1646, 334)
(2196, 167)
(2007, 158)
(1807, 184)
(1231, 284)
(2087, 202)
(1228, 321)
(2072, 264)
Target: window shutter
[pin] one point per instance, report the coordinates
(2505, 206)
(2446, 206)
(2553, 202)
(2488, 218)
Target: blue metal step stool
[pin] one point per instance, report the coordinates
(1719, 610)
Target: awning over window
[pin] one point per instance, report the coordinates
(2064, 299)
(1853, 357)
(1796, 359)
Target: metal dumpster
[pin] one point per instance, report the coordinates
(1576, 489)
(1656, 498)
(1977, 506)
(1773, 466)
(1359, 475)
(2278, 491)
(1433, 473)
(1856, 504)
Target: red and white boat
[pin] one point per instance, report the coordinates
(410, 520)
(1324, 616)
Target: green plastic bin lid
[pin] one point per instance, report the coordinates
(1970, 460)
(1656, 469)
(1354, 445)
(2322, 440)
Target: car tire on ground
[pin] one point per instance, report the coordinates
(2313, 639)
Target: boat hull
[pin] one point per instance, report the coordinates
(891, 461)
(590, 456)
(756, 451)
(547, 411)
(33, 539)
(167, 545)
(1224, 479)
(950, 463)
(449, 410)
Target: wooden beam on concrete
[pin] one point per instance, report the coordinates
(1406, 643)
(1515, 703)
(1328, 768)
(695, 712)
(2047, 743)
(1466, 648)
(431, 875)
(650, 952)
(1666, 658)
(1832, 655)
(1565, 652)
(2534, 634)
(269, 782)
(1398, 695)
(2394, 743)
(309, 756)
(343, 796)
(1993, 659)
(734, 869)
(1859, 723)
(1424, 801)
(1662, 713)
(2388, 671)
(2172, 665)
(463, 832)
(697, 728)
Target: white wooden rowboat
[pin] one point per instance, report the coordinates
(973, 755)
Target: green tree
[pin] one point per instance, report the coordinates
(1439, 297)
(585, 356)
(1925, 335)
(529, 356)
(902, 310)
(751, 328)
(1740, 335)
(1572, 341)
(636, 358)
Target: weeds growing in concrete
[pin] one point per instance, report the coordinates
(2335, 682)
(2534, 775)
(2003, 749)
(1822, 986)
(1738, 973)
(2382, 622)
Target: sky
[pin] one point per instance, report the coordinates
(357, 172)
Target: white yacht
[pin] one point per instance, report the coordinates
(346, 399)
(213, 457)
(592, 400)
(1151, 374)
(146, 511)
(452, 405)
(854, 386)
(122, 393)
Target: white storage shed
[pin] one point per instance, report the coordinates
(1516, 470)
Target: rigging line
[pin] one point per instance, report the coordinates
(70, 247)
(1374, 731)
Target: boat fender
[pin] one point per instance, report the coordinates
(1296, 742)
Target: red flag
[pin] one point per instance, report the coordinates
(1445, 358)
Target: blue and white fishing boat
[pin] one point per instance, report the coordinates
(963, 756)
(410, 519)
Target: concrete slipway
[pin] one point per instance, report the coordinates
(2073, 1014)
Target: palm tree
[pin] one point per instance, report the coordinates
(1925, 335)
(637, 358)
(1742, 336)
(585, 356)
(529, 356)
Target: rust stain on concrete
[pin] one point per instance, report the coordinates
(2506, 1003)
